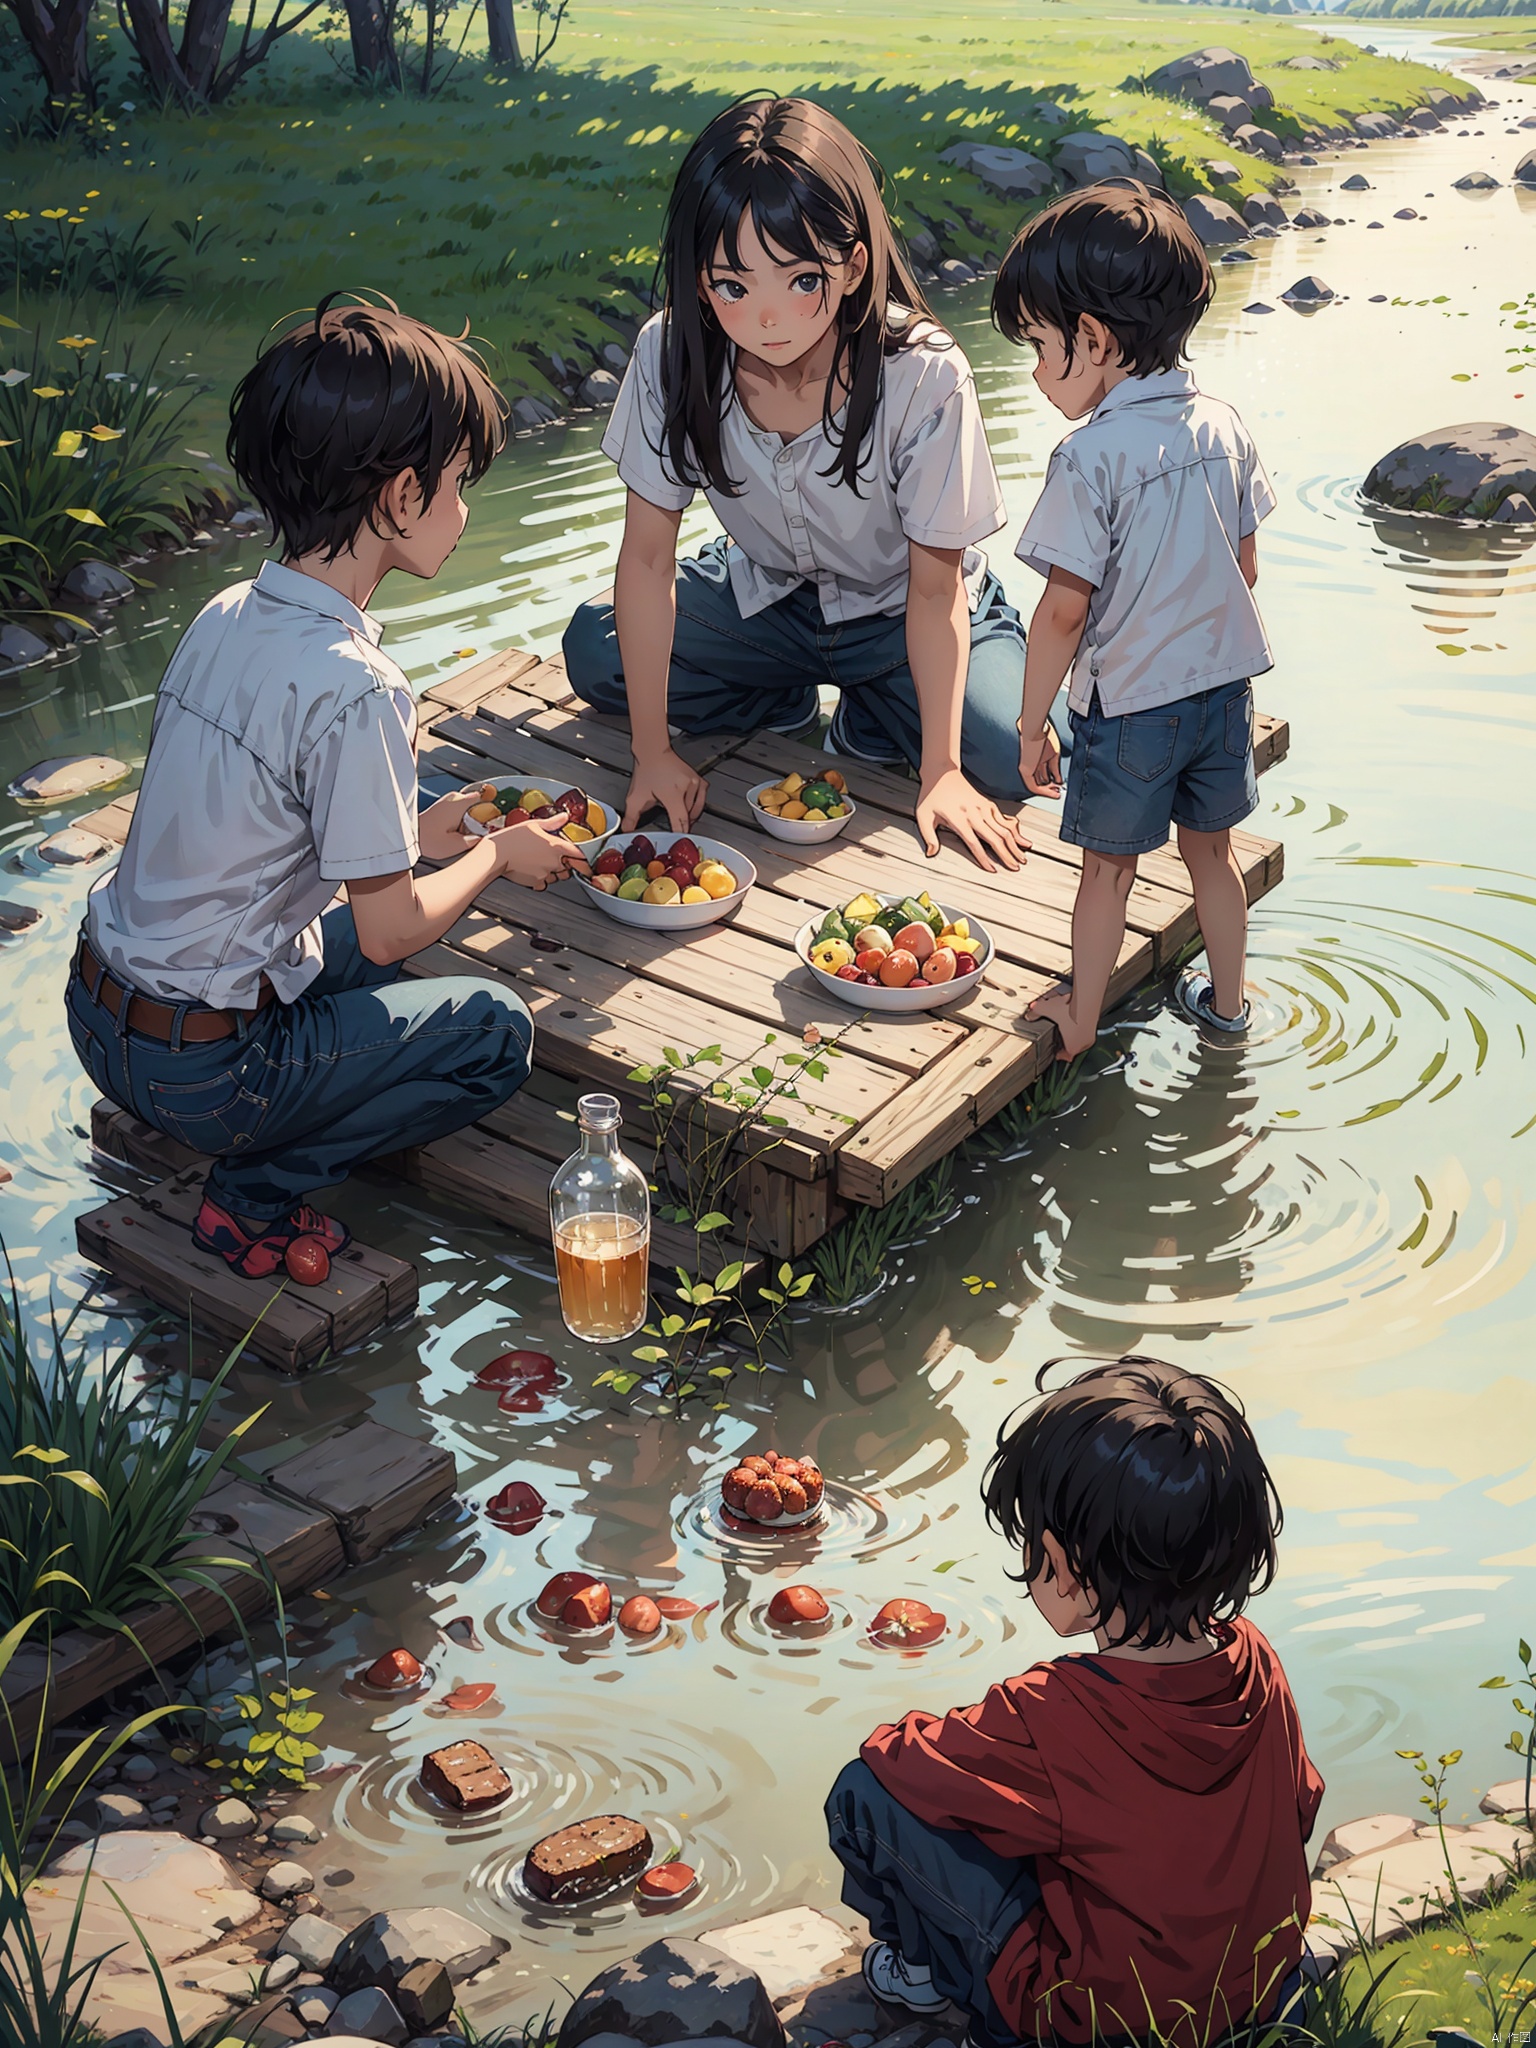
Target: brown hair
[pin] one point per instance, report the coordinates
(1118, 251)
(339, 406)
(812, 189)
(1150, 1480)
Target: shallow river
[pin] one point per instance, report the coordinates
(1337, 1218)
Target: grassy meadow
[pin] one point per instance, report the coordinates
(526, 205)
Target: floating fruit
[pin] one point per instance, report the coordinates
(395, 1668)
(907, 1625)
(512, 1366)
(794, 1606)
(898, 969)
(560, 1589)
(308, 1261)
(518, 1507)
(831, 954)
(673, 1607)
(667, 1883)
(640, 1616)
(762, 1502)
(917, 940)
(939, 967)
(466, 1699)
(588, 1608)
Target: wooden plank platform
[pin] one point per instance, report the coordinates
(607, 998)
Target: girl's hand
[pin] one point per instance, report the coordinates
(440, 828)
(535, 854)
(950, 800)
(667, 780)
(1040, 762)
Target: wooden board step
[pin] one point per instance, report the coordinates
(145, 1241)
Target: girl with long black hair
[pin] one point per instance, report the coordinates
(795, 375)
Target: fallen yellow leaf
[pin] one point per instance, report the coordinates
(100, 433)
(85, 516)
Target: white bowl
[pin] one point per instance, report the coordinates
(807, 832)
(592, 847)
(917, 995)
(674, 917)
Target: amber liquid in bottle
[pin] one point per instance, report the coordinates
(600, 1221)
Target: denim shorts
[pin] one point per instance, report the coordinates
(1188, 763)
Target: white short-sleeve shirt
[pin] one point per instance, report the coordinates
(281, 763)
(926, 476)
(1148, 500)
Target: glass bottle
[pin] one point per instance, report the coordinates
(600, 1219)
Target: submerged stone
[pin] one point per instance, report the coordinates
(1462, 472)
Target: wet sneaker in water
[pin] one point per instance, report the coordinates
(259, 1256)
(885, 1972)
(1196, 997)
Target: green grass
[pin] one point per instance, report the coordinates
(1428, 1983)
(529, 205)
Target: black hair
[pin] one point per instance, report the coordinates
(337, 407)
(812, 190)
(1118, 251)
(1150, 1480)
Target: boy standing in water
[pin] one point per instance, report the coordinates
(1109, 1847)
(1146, 530)
(221, 990)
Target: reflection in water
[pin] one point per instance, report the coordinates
(1334, 1217)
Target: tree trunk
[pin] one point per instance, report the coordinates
(56, 38)
(202, 43)
(372, 55)
(501, 30)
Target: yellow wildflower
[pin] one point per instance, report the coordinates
(93, 195)
(55, 212)
(68, 442)
(16, 214)
(100, 433)
(77, 341)
(46, 391)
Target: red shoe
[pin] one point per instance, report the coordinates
(259, 1257)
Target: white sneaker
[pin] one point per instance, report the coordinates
(1195, 995)
(885, 1973)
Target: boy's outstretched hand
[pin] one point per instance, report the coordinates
(1040, 762)
(440, 828)
(950, 800)
(535, 854)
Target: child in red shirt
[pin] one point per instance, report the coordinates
(1111, 1844)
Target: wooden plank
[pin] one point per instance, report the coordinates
(605, 739)
(472, 685)
(111, 822)
(963, 1091)
(1271, 740)
(374, 1483)
(489, 748)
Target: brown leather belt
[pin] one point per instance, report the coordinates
(199, 1026)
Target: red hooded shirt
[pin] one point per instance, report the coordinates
(1165, 1805)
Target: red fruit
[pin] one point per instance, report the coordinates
(574, 803)
(394, 1668)
(559, 1590)
(523, 1400)
(898, 968)
(869, 980)
(683, 853)
(849, 974)
(737, 1486)
(965, 963)
(640, 1616)
(814, 1484)
(870, 962)
(916, 939)
(907, 1625)
(609, 862)
(793, 1606)
(590, 1608)
(939, 967)
(464, 1699)
(667, 1881)
(308, 1261)
(518, 1368)
(518, 1507)
(549, 811)
(639, 851)
(517, 816)
(755, 1464)
(793, 1495)
(675, 1608)
(763, 1503)
(682, 876)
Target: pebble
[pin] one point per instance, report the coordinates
(228, 1820)
(283, 1880)
(138, 1770)
(73, 848)
(314, 2007)
(280, 1971)
(294, 1827)
(117, 1810)
(18, 917)
(371, 2013)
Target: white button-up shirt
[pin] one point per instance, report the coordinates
(1147, 500)
(281, 763)
(926, 476)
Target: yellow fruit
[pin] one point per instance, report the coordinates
(534, 800)
(662, 890)
(815, 817)
(792, 784)
(830, 954)
(487, 792)
(772, 801)
(861, 910)
(484, 814)
(838, 811)
(697, 895)
(717, 882)
(578, 833)
(793, 809)
(961, 927)
(833, 779)
(597, 819)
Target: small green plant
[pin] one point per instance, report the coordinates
(272, 1738)
(1521, 1740)
(541, 2031)
(63, 257)
(849, 1260)
(1055, 1089)
(714, 1314)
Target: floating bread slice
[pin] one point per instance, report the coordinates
(587, 1857)
(464, 1775)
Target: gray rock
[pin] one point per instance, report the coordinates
(1476, 181)
(1308, 291)
(117, 1810)
(1259, 142)
(1214, 221)
(1230, 111)
(1424, 119)
(1516, 510)
(314, 2004)
(73, 848)
(1310, 217)
(1264, 232)
(1356, 183)
(599, 389)
(1377, 127)
(425, 1997)
(1525, 170)
(615, 357)
(136, 2037)
(528, 413)
(1260, 98)
(674, 1990)
(1010, 173)
(140, 1770)
(953, 272)
(313, 1940)
(1238, 256)
(97, 583)
(227, 1821)
(1051, 113)
(280, 1973)
(1220, 172)
(293, 1827)
(1308, 64)
(1465, 471)
(369, 2013)
(1258, 306)
(20, 917)
(386, 1945)
(247, 519)
(1088, 157)
(1405, 213)
(286, 1880)
(53, 782)
(1260, 210)
(1204, 74)
(923, 245)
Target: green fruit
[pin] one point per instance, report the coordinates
(818, 796)
(891, 920)
(633, 872)
(833, 927)
(912, 911)
(508, 800)
(633, 887)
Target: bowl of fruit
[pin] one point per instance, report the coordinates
(669, 881)
(895, 952)
(801, 809)
(587, 823)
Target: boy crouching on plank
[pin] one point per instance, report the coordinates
(219, 991)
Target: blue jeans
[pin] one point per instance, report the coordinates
(731, 674)
(1187, 763)
(359, 1064)
(937, 1894)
